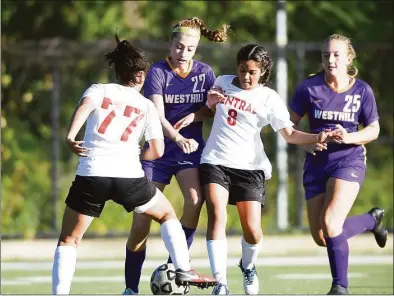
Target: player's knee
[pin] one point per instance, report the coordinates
(168, 215)
(253, 234)
(319, 240)
(194, 200)
(70, 240)
(331, 226)
(136, 244)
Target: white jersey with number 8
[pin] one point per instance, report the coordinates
(120, 117)
(235, 139)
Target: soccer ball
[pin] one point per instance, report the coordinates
(162, 281)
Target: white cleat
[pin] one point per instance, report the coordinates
(128, 291)
(220, 289)
(251, 281)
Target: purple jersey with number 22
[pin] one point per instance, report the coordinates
(325, 108)
(182, 95)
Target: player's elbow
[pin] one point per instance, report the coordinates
(375, 131)
(157, 148)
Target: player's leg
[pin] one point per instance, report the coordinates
(143, 197)
(85, 201)
(370, 221)
(189, 183)
(73, 228)
(161, 210)
(136, 242)
(136, 249)
(314, 207)
(250, 217)
(314, 181)
(247, 192)
(339, 199)
(216, 201)
(215, 185)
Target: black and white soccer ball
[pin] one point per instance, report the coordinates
(162, 281)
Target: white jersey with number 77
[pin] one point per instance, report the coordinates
(120, 117)
(235, 139)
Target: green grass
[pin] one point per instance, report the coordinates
(373, 279)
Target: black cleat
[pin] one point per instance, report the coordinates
(378, 231)
(193, 278)
(338, 290)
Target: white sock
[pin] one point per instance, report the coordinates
(63, 269)
(250, 253)
(175, 241)
(217, 252)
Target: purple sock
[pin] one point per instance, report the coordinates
(355, 225)
(133, 268)
(189, 233)
(338, 255)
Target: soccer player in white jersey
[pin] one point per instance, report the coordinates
(234, 166)
(117, 116)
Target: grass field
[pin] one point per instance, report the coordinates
(295, 275)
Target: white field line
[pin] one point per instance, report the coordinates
(197, 263)
(120, 279)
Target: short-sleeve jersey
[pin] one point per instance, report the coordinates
(120, 116)
(326, 107)
(182, 95)
(235, 139)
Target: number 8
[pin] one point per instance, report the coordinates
(232, 117)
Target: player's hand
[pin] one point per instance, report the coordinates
(187, 145)
(77, 148)
(312, 148)
(184, 122)
(215, 95)
(341, 135)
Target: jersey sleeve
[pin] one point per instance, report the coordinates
(154, 82)
(210, 78)
(300, 101)
(96, 93)
(153, 130)
(369, 110)
(279, 116)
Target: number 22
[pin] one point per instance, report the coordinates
(127, 112)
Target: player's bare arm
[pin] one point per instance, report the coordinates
(188, 145)
(79, 117)
(154, 151)
(202, 114)
(364, 136)
(293, 136)
(310, 148)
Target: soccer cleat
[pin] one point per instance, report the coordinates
(251, 281)
(220, 289)
(128, 291)
(193, 278)
(338, 290)
(378, 231)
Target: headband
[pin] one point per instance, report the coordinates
(187, 31)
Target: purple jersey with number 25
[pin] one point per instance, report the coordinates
(182, 95)
(325, 108)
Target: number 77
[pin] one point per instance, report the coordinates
(127, 112)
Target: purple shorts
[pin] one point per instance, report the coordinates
(162, 170)
(316, 175)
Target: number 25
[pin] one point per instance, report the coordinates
(127, 112)
(354, 101)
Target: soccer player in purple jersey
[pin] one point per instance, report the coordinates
(335, 99)
(178, 87)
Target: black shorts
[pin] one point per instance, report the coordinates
(242, 185)
(88, 195)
